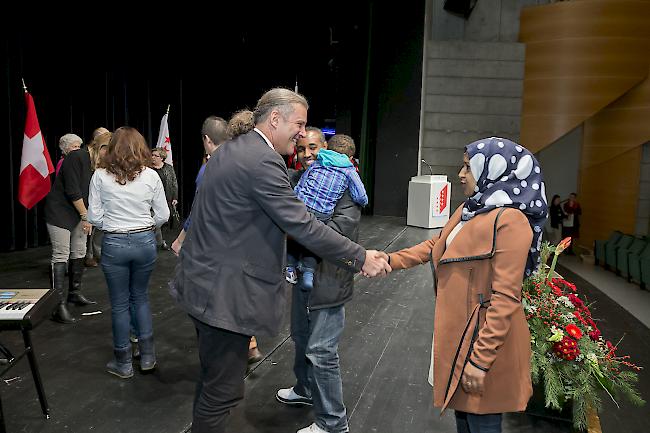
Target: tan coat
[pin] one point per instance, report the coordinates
(485, 261)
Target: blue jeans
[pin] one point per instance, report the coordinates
(472, 423)
(316, 336)
(127, 262)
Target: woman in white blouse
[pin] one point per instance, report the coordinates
(123, 193)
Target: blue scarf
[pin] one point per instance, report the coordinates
(508, 175)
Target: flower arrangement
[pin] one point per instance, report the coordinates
(570, 356)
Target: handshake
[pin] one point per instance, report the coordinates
(376, 264)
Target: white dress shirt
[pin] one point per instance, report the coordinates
(265, 138)
(119, 208)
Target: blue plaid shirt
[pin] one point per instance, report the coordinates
(321, 187)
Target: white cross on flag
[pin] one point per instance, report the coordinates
(35, 163)
(164, 141)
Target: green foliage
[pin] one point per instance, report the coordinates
(570, 357)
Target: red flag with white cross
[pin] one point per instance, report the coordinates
(35, 163)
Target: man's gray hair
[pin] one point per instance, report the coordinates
(317, 131)
(277, 98)
(68, 140)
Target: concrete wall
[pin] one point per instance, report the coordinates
(560, 164)
(643, 209)
(474, 82)
(473, 90)
(491, 20)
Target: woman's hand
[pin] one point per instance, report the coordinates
(473, 379)
(87, 227)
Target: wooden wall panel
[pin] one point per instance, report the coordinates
(609, 196)
(610, 164)
(580, 57)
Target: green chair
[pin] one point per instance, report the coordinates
(635, 265)
(599, 246)
(610, 250)
(623, 256)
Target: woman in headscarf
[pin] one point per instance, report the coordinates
(481, 351)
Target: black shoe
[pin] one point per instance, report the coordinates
(164, 246)
(78, 298)
(62, 315)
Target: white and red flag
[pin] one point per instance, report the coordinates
(35, 163)
(163, 139)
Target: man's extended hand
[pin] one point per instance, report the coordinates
(376, 264)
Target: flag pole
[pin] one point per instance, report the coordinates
(24, 86)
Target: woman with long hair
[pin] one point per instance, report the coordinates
(481, 350)
(97, 149)
(123, 192)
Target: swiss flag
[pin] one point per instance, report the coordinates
(35, 163)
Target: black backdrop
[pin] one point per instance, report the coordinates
(86, 76)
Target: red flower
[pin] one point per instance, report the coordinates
(610, 347)
(579, 317)
(556, 290)
(595, 334)
(574, 331)
(575, 300)
(566, 349)
(563, 245)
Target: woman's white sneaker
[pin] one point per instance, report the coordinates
(288, 396)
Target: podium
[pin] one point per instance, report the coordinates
(429, 201)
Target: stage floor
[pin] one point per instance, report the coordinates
(384, 351)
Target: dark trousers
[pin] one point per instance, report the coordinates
(472, 423)
(224, 358)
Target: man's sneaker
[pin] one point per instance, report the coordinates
(312, 429)
(288, 396)
(291, 275)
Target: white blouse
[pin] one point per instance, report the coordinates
(119, 208)
(454, 232)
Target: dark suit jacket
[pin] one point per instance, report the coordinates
(231, 270)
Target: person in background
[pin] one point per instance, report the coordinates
(480, 259)
(556, 215)
(97, 149)
(168, 177)
(68, 143)
(571, 222)
(127, 201)
(67, 225)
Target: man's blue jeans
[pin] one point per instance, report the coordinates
(127, 262)
(316, 336)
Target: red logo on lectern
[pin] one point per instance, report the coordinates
(440, 201)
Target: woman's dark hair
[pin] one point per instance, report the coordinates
(127, 155)
(553, 199)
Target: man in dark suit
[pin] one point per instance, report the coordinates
(230, 276)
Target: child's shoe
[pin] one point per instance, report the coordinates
(291, 275)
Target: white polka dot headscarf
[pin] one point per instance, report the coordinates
(508, 175)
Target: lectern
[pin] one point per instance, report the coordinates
(429, 198)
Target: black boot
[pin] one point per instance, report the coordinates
(57, 281)
(75, 273)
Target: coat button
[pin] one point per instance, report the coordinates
(349, 262)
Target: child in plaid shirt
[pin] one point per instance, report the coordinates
(321, 187)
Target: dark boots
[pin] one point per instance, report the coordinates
(75, 273)
(57, 280)
(147, 354)
(121, 365)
